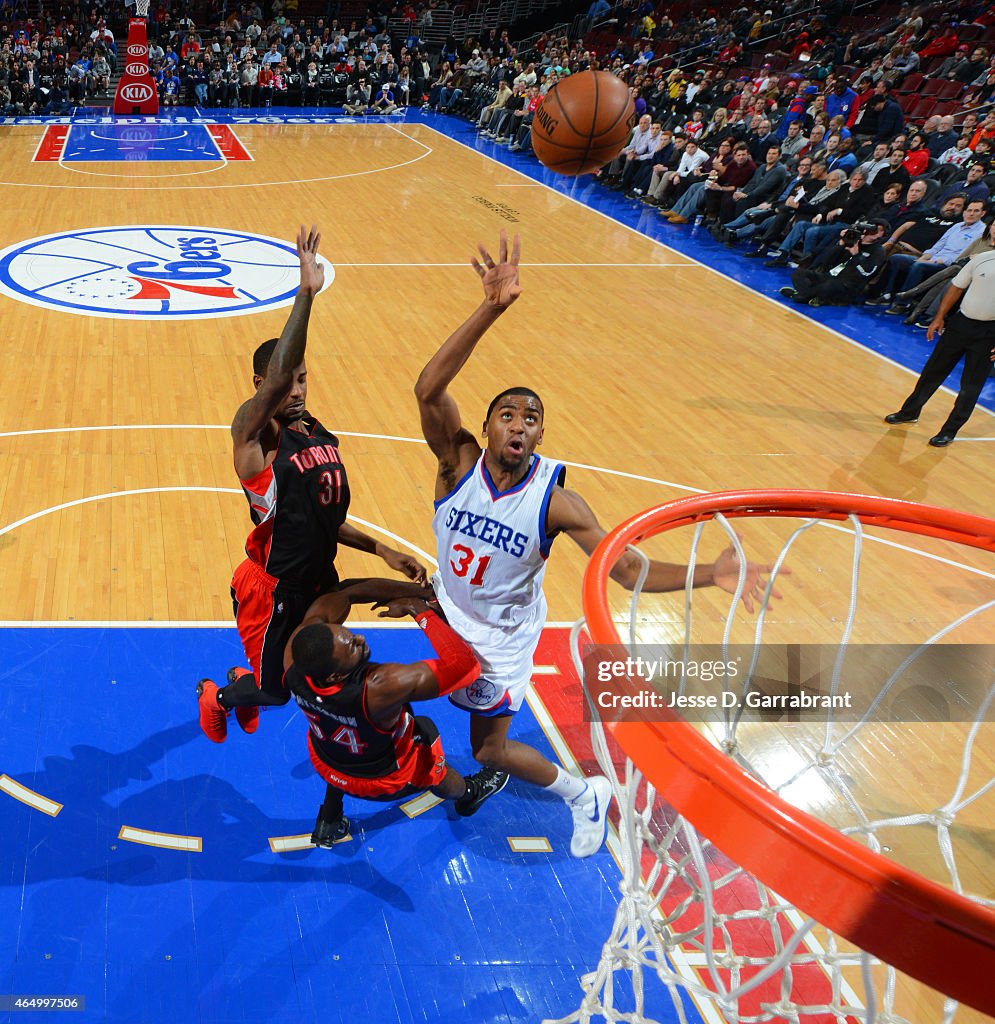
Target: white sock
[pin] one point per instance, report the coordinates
(566, 786)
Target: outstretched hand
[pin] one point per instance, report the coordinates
(401, 606)
(312, 272)
(500, 280)
(405, 564)
(725, 572)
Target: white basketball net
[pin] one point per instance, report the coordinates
(707, 928)
(142, 8)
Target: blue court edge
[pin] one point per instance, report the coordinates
(433, 919)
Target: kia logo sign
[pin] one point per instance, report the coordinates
(137, 51)
(137, 92)
(136, 70)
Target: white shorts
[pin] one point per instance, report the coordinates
(505, 657)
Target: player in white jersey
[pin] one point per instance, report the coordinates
(497, 513)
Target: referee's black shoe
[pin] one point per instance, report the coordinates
(479, 787)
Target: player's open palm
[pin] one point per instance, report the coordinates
(725, 572)
(500, 280)
(312, 272)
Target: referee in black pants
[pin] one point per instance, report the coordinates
(971, 334)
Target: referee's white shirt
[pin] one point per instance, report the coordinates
(978, 277)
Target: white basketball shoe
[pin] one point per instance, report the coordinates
(590, 814)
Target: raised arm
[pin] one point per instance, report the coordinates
(570, 514)
(253, 415)
(455, 447)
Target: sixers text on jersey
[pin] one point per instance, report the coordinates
(490, 531)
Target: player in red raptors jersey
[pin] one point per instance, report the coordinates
(292, 474)
(498, 511)
(364, 738)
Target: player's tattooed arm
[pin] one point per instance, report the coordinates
(254, 415)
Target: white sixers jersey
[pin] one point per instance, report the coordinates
(492, 546)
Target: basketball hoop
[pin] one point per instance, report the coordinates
(142, 8)
(761, 891)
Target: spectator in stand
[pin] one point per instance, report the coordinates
(500, 98)
(522, 139)
(945, 137)
(877, 161)
(264, 85)
(807, 209)
(916, 156)
(944, 42)
(357, 97)
(718, 127)
(894, 174)
(940, 254)
(638, 141)
(816, 142)
(384, 101)
(794, 142)
(695, 128)
(663, 165)
(198, 80)
(501, 120)
(856, 202)
(841, 156)
(761, 140)
(311, 86)
(887, 119)
(764, 186)
(890, 207)
(719, 191)
(443, 80)
(101, 72)
(170, 87)
(973, 186)
(843, 273)
(688, 172)
(985, 130)
(249, 80)
(952, 160)
(755, 219)
(281, 82)
(970, 68)
(842, 100)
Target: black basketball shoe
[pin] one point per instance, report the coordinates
(479, 787)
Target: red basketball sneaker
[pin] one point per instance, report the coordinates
(213, 717)
(247, 718)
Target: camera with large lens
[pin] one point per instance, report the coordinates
(853, 235)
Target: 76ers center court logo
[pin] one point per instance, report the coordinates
(151, 273)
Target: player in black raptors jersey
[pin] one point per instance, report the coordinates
(292, 474)
(364, 738)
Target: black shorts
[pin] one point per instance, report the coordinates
(267, 611)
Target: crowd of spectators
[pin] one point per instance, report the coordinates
(856, 151)
(239, 57)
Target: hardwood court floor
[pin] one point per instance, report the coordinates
(659, 376)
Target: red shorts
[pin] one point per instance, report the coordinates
(423, 766)
(267, 612)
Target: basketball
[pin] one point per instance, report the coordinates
(583, 122)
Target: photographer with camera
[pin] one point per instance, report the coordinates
(842, 274)
(357, 97)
